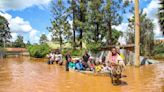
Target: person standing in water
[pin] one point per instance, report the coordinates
(86, 57)
(68, 59)
(51, 58)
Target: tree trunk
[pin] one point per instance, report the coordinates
(109, 33)
(97, 33)
(74, 37)
(82, 19)
(74, 31)
(61, 41)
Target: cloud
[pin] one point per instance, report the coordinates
(21, 4)
(122, 27)
(49, 36)
(19, 26)
(33, 37)
(152, 10)
(14, 36)
(122, 40)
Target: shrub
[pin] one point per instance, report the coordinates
(77, 52)
(158, 49)
(38, 51)
(94, 47)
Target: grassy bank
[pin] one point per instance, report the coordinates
(159, 57)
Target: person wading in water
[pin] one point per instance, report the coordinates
(116, 63)
(68, 59)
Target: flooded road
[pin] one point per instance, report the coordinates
(23, 74)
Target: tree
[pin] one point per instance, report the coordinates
(91, 20)
(43, 39)
(81, 18)
(113, 11)
(19, 42)
(161, 15)
(146, 35)
(95, 18)
(5, 33)
(100, 17)
(60, 24)
(72, 11)
(115, 35)
(28, 43)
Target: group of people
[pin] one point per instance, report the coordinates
(88, 63)
(55, 56)
(113, 63)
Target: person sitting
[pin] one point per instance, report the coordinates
(91, 64)
(85, 59)
(106, 68)
(78, 65)
(98, 67)
(71, 65)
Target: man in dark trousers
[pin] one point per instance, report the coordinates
(85, 59)
(68, 59)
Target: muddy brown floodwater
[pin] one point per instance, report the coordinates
(23, 74)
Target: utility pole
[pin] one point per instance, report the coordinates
(137, 34)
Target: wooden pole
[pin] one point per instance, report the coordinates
(137, 34)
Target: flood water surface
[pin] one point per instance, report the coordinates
(23, 74)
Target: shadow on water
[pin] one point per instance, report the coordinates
(122, 83)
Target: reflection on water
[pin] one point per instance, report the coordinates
(23, 74)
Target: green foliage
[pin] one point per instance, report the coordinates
(77, 52)
(161, 15)
(94, 46)
(28, 43)
(60, 24)
(92, 20)
(74, 53)
(39, 51)
(19, 42)
(115, 35)
(5, 33)
(146, 34)
(43, 39)
(159, 49)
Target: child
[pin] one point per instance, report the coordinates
(91, 64)
(106, 68)
(98, 67)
